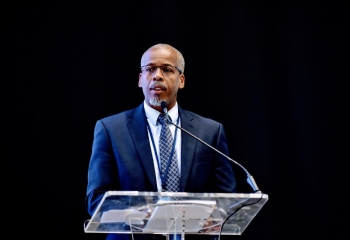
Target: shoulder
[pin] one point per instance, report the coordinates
(196, 118)
(123, 116)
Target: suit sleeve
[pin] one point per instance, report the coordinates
(102, 174)
(224, 176)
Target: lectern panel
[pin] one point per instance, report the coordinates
(175, 213)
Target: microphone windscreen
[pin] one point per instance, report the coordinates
(164, 104)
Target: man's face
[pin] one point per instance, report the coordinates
(159, 79)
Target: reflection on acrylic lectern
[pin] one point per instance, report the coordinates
(132, 212)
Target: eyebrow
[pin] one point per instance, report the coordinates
(153, 64)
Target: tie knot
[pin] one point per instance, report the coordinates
(162, 119)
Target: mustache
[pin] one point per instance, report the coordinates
(158, 85)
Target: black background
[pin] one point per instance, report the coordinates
(271, 71)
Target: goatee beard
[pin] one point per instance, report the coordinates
(155, 101)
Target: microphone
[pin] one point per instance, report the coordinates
(250, 179)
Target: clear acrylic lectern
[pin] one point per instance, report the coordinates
(133, 212)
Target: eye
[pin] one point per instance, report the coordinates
(150, 69)
(167, 69)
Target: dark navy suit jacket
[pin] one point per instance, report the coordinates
(121, 158)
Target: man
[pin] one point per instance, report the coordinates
(125, 152)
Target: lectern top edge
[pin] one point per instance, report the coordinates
(186, 194)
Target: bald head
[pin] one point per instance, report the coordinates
(160, 46)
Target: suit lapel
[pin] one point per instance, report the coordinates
(138, 130)
(188, 146)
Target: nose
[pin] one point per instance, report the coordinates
(158, 74)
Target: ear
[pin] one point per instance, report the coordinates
(182, 81)
(139, 83)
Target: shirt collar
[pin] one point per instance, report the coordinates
(152, 114)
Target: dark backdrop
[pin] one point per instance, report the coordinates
(263, 69)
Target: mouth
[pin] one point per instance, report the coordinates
(158, 87)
